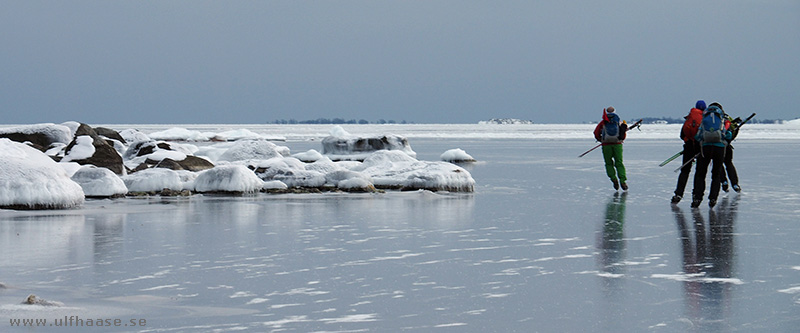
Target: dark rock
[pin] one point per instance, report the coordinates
(165, 163)
(194, 163)
(104, 156)
(109, 133)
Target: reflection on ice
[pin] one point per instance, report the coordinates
(708, 264)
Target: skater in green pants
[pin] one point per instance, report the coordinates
(610, 132)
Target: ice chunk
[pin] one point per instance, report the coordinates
(228, 178)
(99, 182)
(29, 179)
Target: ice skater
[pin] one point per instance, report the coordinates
(691, 147)
(610, 132)
(729, 168)
(713, 137)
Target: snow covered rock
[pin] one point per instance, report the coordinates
(348, 180)
(99, 182)
(395, 170)
(29, 179)
(160, 154)
(153, 180)
(132, 136)
(253, 150)
(341, 145)
(89, 148)
(42, 136)
(109, 134)
(288, 170)
(228, 179)
(456, 155)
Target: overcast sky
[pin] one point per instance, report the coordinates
(102, 62)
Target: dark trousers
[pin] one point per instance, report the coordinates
(690, 148)
(729, 167)
(710, 154)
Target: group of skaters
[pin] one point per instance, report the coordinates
(707, 133)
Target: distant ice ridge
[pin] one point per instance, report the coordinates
(506, 121)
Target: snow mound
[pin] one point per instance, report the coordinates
(456, 155)
(341, 145)
(153, 180)
(99, 182)
(29, 179)
(396, 170)
(253, 150)
(228, 178)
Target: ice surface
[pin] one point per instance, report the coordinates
(31, 179)
(544, 243)
(99, 182)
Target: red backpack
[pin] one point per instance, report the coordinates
(691, 124)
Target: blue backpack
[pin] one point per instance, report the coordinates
(610, 132)
(712, 128)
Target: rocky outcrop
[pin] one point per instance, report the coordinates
(102, 154)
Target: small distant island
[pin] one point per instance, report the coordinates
(506, 121)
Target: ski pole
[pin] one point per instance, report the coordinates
(671, 158)
(588, 151)
(687, 162)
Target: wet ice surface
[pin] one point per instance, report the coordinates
(544, 244)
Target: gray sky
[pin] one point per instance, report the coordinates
(420, 61)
